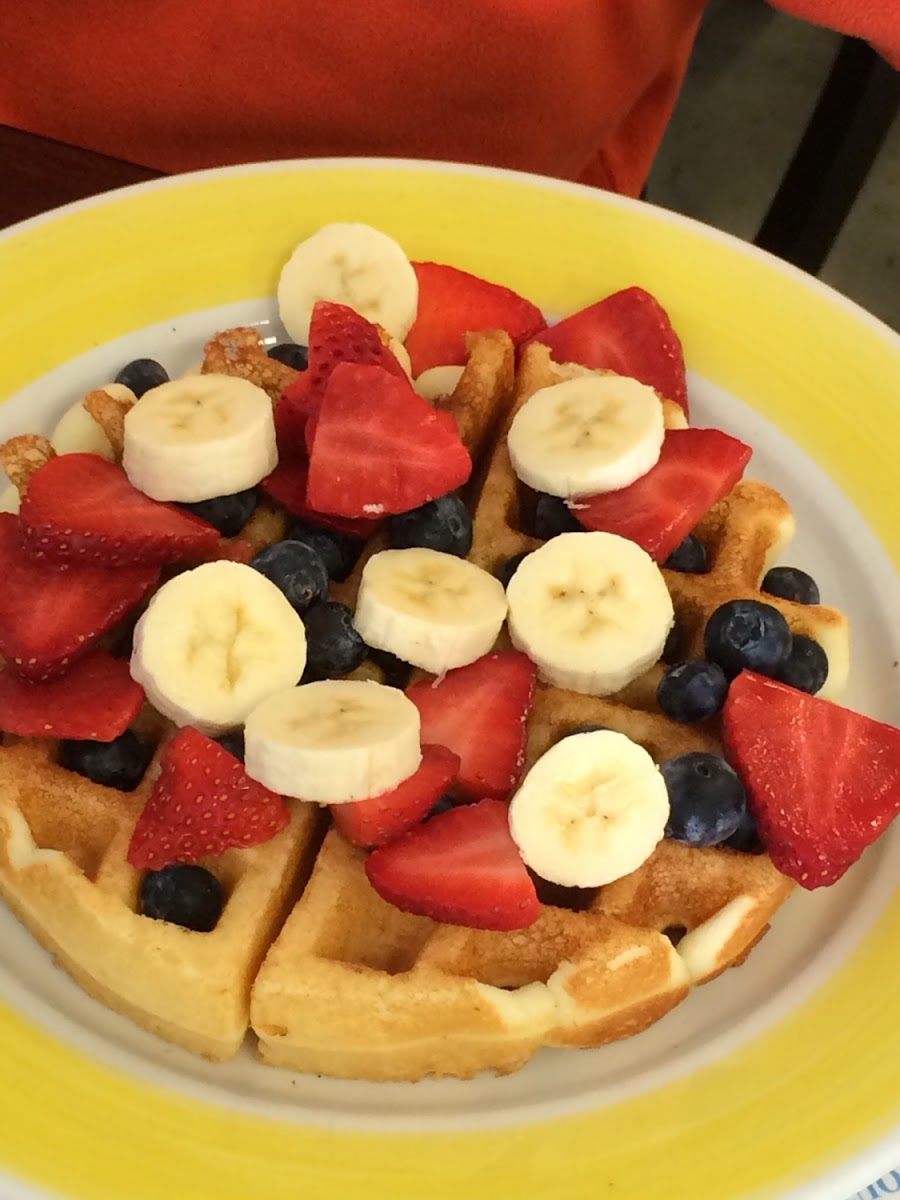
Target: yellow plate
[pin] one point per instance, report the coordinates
(814, 1095)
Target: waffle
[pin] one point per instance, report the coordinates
(348, 985)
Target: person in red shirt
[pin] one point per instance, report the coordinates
(577, 89)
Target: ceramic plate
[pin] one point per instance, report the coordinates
(780, 1079)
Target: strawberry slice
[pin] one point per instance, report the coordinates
(696, 468)
(95, 702)
(453, 303)
(381, 448)
(823, 782)
(461, 867)
(81, 508)
(202, 804)
(48, 617)
(382, 818)
(480, 713)
(629, 333)
(287, 487)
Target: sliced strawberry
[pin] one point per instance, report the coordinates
(823, 782)
(480, 713)
(382, 818)
(453, 303)
(202, 804)
(81, 508)
(49, 616)
(287, 487)
(696, 468)
(381, 448)
(629, 333)
(461, 867)
(95, 702)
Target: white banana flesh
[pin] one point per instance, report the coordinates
(200, 437)
(353, 264)
(438, 381)
(591, 609)
(214, 642)
(10, 499)
(591, 810)
(593, 434)
(333, 742)
(430, 609)
(77, 432)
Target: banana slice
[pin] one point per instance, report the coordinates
(199, 437)
(77, 432)
(433, 610)
(350, 264)
(596, 433)
(334, 741)
(591, 810)
(10, 499)
(438, 381)
(591, 609)
(401, 354)
(214, 642)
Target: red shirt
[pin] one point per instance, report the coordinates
(578, 89)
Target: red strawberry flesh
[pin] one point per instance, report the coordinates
(823, 782)
(96, 701)
(381, 818)
(462, 868)
(202, 804)
(480, 713)
(287, 486)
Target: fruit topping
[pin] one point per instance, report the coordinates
(96, 701)
(696, 468)
(333, 647)
(443, 524)
(290, 354)
(461, 867)
(338, 551)
(552, 516)
(296, 570)
(706, 798)
(480, 712)
(183, 895)
(453, 303)
(508, 568)
(747, 635)
(228, 514)
(790, 583)
(692, 691)
(120, 763)
(141, 375)
(629, 333)
(287, 486)
(746, 837)
(202, 804)
(806, 667)
(822, 781)
(382, 818)
(689, 557)
(233, 742)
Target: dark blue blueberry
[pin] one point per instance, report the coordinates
(747, 634)
(396, 672)
(746, 837)
(706, 798)
(337, 551)
(507, 569)
(333, 647)
(689, 557)
(790, 583)
(443, 524)
(692, 690)
(297, 570)
(142, 374)
(233, 742)
(446, 802)
(290, 354)
(576, 899)
(552, 517)
(228, 514)
(673, 649)
(185, 895)
(120, 763)
(806, 667)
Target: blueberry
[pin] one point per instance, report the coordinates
(689, 557)
(297, 570)
(337, 551)
(673, 650)
(746, 837)
(333, 647)
(692, 690)
(576, 899)
(290, 354)
(142, 374)
(120, 763)
(747, 634)
(507, 569)
(706, 798)
(185, 895)
(443, 524)
(806, 667)
(446, 802)
(233, 742)
(228, 514)
(790, 583)
(396, 672)
(551, 517)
